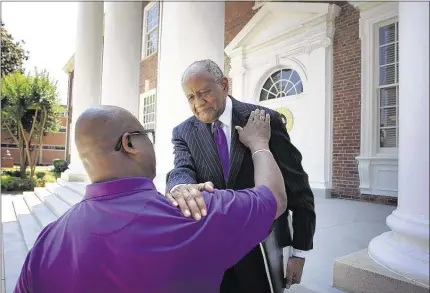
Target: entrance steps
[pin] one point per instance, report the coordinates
(24, 217)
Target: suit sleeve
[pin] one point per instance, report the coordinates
(299, 193)
(183, 171)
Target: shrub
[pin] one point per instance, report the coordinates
(10, 183)
(12, 173)
(48, 178)
(40, 175)
(60, 165)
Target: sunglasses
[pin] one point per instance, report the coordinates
(149, 133)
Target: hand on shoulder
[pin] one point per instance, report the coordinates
(189, 199)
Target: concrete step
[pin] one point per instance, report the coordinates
(40, 211)
(66, 194)
(78, 187)
(30, 228)
(57, 206)
(357, 273)
(14, 248)
(299, 289)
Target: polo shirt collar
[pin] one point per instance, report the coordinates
(118, 187)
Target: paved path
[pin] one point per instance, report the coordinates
(343, 227)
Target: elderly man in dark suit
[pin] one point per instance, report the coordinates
(207, 149)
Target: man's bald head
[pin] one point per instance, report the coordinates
(102, 126)
(98, 130)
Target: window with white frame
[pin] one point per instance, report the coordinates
(150, 37)
(378, 159)
(282, 83)
(148, 102)
(388, 85)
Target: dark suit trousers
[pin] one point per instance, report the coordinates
(247, 276)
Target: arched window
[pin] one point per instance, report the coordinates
(282, 83)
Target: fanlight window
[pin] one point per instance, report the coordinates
(282, 83)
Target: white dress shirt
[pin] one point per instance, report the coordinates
(226, 120)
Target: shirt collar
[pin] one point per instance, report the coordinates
(226, 116)
(118, 187)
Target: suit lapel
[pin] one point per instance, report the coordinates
(237, 148)
(207, 149)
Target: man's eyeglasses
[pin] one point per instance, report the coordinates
(150, 133)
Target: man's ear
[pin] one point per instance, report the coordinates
(127, 145)
(225, 84)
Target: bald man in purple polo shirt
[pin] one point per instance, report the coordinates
(124, 237)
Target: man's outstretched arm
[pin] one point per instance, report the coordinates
(182, 188)
(183, 171)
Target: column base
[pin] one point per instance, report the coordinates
(358, 273)
(394, 252)
(74, 175)
(405, 249)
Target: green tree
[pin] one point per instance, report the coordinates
(29, 110)
(13, 54)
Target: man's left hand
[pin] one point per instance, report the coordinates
(293, 270)
(189, 199)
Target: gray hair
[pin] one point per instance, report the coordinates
(205, 65)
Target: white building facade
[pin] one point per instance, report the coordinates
(351, 80)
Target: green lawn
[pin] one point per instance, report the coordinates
(10, 180)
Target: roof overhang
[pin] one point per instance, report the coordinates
(70, 65)
(300, 15)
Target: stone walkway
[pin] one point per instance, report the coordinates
(343, 227)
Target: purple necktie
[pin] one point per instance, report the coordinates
(221, 144)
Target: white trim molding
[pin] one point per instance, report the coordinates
(378, 170)
(146, 9)
(142, 97)
(258, 4)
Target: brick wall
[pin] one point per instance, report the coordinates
(148, 71)
(347, 108)
(346, 103)
(54, 145)
(237, 15)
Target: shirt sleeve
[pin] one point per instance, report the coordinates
(22, 283)
(241, 218)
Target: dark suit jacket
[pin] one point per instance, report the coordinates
(196, 161)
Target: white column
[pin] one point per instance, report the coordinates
(122, 55)
(405, 250)
(190, 31)
(87, 80)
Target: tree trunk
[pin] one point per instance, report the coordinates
(23, 162)
(38, 147)
(28, 140)
(21, 152)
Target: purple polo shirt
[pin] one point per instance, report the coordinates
(126, 237)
